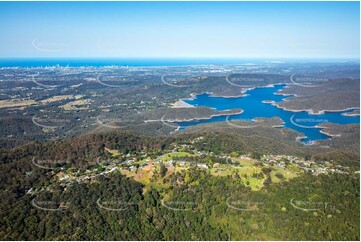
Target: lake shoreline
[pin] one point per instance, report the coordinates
(273, 97)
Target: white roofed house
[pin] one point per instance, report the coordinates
(203, 166)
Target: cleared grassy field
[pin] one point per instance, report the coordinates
(285, 173)
(173, 155)
(16, 103)
(245, 169)
(114, 153)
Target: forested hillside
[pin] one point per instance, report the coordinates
(190, 204)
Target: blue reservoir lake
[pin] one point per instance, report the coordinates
(253, 107)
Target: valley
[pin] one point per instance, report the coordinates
(86, 149)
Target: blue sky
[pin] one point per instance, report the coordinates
(180, 29)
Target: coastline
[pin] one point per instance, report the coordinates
(205, 118)
(243, 92)
(182, 103)
(195, 119)
(311, 112)
(350, 114)
(328, 134)
(322, 128)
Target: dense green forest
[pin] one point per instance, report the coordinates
(195, 205)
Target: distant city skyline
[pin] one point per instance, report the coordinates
(179, 29)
